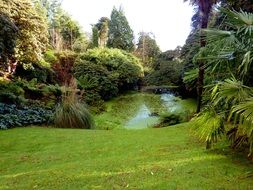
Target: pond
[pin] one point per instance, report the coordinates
(141, 110)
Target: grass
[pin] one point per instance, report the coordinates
(165, 158)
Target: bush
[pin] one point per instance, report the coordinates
(11, 93)
(209, 126)
(71, 113)
(63, 67)
(30, 71)
(13, 116)
(96, 79)
(168, 73)
(22, 92)
(105, 72)
(49, 56)
(168, 119)
(121, 64)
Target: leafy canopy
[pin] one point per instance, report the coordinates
(33, 36)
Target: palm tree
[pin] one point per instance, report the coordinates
(232, 98)
(204, 8)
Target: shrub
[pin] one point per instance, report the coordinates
(14, 116)
(168, 73)
(106, 71)
(71, 113)
(49, 56)
(22, 92)
(63, 67)
(11, 93)
(167, 119)
(96, 79)
(38, 91)
(122, 64)
(30, 71)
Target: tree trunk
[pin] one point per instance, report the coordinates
(204, 11)
(208, 144)
(200, 86)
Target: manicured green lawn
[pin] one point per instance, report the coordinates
(167, 158)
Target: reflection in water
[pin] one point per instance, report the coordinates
(171, 102)
(143, 113)
(143, 119)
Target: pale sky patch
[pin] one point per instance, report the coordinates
(169, 20)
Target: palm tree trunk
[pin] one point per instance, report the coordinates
(208, 144)
(204, 11)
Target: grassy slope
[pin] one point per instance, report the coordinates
(167, 158)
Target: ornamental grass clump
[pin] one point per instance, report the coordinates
(72, 113)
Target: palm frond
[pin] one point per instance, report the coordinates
(231, 91)
(191, 75)
(208, 125)
(240, 20)
(243, 117)
(220, 37)
(246, 63)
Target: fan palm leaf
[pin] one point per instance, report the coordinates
(230, 91)
(208, 126)
(243, 113)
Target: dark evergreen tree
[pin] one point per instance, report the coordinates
(120, 34)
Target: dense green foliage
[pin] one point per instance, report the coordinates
(167, 69)
(32, 36)
(38, 71)
(27, 102)
(13, 116)
(169, 73)
(168, 119)
(8, 36)
(29, 92)
(231, 96)
(105, 72)
(120, 34)
(147, 49)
